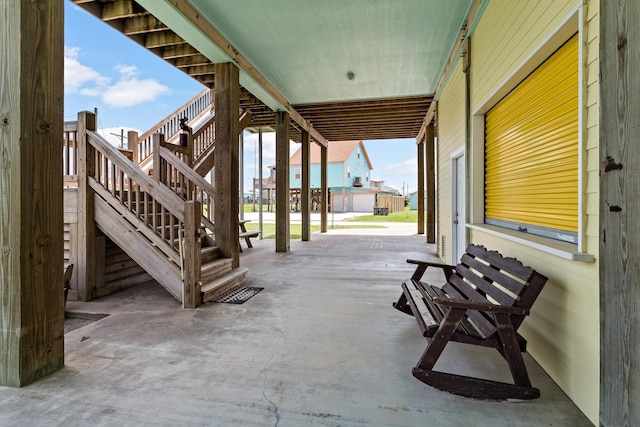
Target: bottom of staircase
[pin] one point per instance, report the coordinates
(234, 279)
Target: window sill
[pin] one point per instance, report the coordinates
(544, 244)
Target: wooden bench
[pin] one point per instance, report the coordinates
(483, 302)
(246, 235)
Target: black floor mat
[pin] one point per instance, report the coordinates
(238, 296)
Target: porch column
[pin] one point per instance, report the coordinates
(619, 261)
(31, 235)
(282, 182)
(431, 183)
(420, 194)
(87, 260)
(225, 170)
(324, 170)
(305, 193)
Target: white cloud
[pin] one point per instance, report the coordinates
(268, 149)
(128, 91)
(268, 144)
(127, 70)
(77, 75)
(113, 134)
(409, 166)
(131, 91)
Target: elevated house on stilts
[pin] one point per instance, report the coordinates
(523, 115)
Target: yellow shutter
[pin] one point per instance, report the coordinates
(531, 148)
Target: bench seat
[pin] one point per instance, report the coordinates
(483, 302)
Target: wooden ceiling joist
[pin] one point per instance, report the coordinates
(177, 51)
(142, 24)
(191, 61)
(119, 9)
(161, 39)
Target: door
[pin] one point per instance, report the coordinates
(459, 239)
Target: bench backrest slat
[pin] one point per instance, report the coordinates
(495, 274)
(495, 279)
(458, 288)
(515, 267)
(486, 286)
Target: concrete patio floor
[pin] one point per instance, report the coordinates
(320, 345)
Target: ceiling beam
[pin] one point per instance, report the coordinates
(142, 24)
(178, 51)
(119, 9)
(193, 16)
(471, 16)
(162, 39)
(191, 61)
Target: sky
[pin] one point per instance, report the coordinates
(134, 89)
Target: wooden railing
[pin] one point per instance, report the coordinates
(203, 139)
(172, 168)
(168, 222)
(170, 126)
(70, 154)
(113, 176)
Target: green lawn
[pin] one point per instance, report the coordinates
(248, 207)
(405, 216)
(269, 230)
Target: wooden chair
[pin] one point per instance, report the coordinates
(67, 281)
(246, 235)
(483, 302)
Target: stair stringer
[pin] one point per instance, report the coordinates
(138, 247)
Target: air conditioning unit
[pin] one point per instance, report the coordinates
(357, 181)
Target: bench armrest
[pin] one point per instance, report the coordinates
(423, 265)
(472, 305)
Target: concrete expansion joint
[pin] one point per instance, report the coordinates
(264, 389)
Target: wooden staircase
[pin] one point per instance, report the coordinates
(132, 235)
(153, 201)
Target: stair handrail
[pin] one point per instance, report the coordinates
(203, 162)
(173, 203)
(202, 140)
(170, 125)
(187, 213)
(184, 182)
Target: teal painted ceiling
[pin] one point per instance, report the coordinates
(306, 48)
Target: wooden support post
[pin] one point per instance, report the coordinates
(324, 179)
(305, 194)
(157, 139)
(225, 166)
(619, 261)
(191, 296)
(260, 182)
(282, 182)
(31, 218)
(420, 194)
(132, 143)
(86, 268)
(241, 171)
(431, 184)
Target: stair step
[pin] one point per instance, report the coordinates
(210, 253)
(214, 269)
(232, 280)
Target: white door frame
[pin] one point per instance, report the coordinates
(458, 208)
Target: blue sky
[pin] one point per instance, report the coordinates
(134, 89)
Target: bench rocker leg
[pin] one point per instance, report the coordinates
(476, 387)
(402, 305)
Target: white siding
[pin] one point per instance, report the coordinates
(451, 138)
(512, 38)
